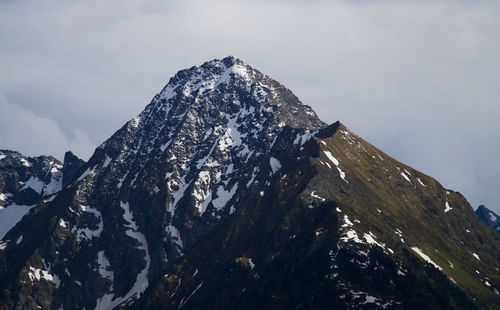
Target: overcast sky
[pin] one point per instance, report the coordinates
(418, 79)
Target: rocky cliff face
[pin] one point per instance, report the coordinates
(71, 166)
(225, 188)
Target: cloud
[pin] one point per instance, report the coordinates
(416, 78)
(32, 135)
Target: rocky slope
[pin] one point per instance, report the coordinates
(227, 191)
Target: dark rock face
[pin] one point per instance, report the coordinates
(489, 217)
(227, 189)
(71, 166)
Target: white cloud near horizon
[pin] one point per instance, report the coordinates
(418, 79)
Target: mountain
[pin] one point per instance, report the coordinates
(24, 181)
(228, 192)
(489, 217)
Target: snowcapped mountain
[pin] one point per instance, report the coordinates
(489, 217)
(165, 179)
(226, 188)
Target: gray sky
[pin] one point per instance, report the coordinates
(418, 79)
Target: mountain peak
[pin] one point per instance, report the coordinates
(231, 84)
(231, 61)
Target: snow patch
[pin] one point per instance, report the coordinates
(3, 197)
(275, 164)
(303, 138)
(25, 162)
(202, 191)
(351, 235)
(425, 257)
(493, 217)
(177, 194)
(447, 207)
(313, 195)
(55, 184)
(336, 163)
(35, 184)
(106, 161)
(370, 239)
(223, 196)
(251, 263)
(104, 266)
(405, 176)
(39, 274)
(63, 223)
(347, 222)
(85, 174)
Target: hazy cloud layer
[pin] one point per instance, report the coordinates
(419, 79)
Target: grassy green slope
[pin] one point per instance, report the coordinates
(376, 193)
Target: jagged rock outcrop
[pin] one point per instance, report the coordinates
(71, 165)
